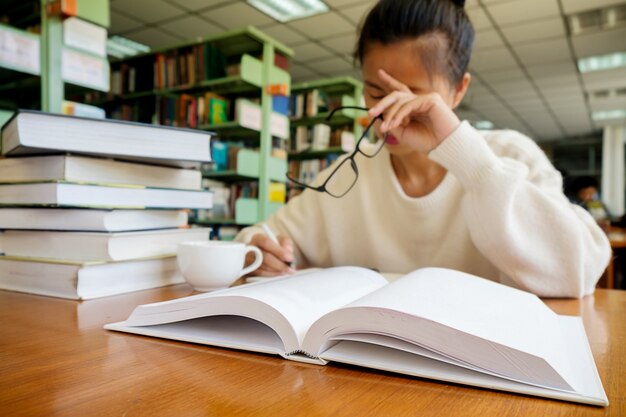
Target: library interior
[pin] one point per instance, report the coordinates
(149, 148)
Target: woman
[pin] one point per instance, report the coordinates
(439, 192)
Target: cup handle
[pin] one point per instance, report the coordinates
(257, 261)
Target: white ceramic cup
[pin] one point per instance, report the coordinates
(210, 265)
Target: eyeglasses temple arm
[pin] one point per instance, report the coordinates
(332, 112)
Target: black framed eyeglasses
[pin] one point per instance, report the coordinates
(344, 176)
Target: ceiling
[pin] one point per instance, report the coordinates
(524, 63)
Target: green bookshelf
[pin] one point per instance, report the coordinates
(39, 70)
(238, 65)
(248, 167)
(350, 88)
(301, 156)
(331, 92)
(339, 118)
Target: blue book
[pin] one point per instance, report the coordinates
(280, 104)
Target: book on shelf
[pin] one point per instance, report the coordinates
(73, 168)
(301, 142)
(67, 194)
(97, 246)
(433, 323)
(222, 203)
(296, 106)
(31, 132)
(307, 170)
(320, 137)
(90, 220)
(277, 192)
(225, 232)
(20, 50)
(280, 104)
(85, 36)
(85, 69)
(192, 111)
(131, 78)
(281, 61)
(86, 280)
(82, 110)
(347, 141)
(184, 66)
(311, 103)
(216, 108)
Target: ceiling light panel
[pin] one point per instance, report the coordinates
(286, 10)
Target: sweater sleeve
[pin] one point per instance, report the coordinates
(518, 216)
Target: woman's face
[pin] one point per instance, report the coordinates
(402, 61)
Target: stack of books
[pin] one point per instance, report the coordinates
(93, 207)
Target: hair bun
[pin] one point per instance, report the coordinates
(460, 3)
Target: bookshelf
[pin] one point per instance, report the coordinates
(47, 52)
(311, 103)
(219, 84)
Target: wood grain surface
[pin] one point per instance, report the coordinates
(56, 360)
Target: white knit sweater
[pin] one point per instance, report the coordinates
(499, 213)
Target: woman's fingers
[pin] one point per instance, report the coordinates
(276, 256)
(287, 247)
(398, 113)
(391, 82)
(273, 265)
(385, 102)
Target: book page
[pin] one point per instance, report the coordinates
(585, 382)
(386, 359)
(288, 305)
(470, 319)
(233, 332)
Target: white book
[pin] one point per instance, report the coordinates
(31, 132)
(85, 69)
(116, 83)
(432, 323)
(74, 168)
(90, 220)
(19, 50)
(85, 36)
(348, 141)
(63, 194)
(97, 246)
(132, 82)
(82, 110)
(301, 139)
(321, 137)
(299, 106)
(84, 281)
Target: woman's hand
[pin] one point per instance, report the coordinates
(276, 257)
(420, 121)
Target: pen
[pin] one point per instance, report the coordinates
(274, 239)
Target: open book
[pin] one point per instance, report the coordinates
(432, 323)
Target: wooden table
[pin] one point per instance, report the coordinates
(55, 359)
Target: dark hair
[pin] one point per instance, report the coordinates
(580, 183)
(392, 21)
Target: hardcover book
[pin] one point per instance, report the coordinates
(73, 168)
(97, 246)
(31, 132)
(67, 194)
(86, 280)
(433, 323)
(90, 220)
